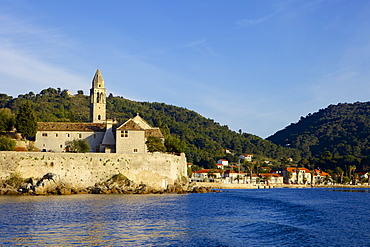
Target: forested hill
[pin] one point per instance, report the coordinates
(342, 129)
(205, 139)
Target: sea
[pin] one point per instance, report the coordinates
(256, 217)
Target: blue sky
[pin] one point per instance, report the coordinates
(252, 65)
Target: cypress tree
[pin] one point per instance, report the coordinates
(26, 120)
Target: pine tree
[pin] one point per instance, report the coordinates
(26, 120)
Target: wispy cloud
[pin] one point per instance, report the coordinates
(249, 22)
(201, 46)
(26, 51)
(288, 8)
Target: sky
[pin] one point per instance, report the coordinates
(252, 65)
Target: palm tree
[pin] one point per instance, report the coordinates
(351, 170)
(297, 174)
(250, 166)
(290, 174)
(339, 173)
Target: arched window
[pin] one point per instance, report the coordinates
(99, 118)
(102, 97)
(97, 98)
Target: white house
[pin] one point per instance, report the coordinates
(222, 163)
(247, 157)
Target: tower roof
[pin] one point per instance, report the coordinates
(98, 81)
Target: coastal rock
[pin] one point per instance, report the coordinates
(12, 192)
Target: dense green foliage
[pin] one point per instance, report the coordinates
(7, 119)
(341, 129)
(174, 145)
(78, 146)
(26, 120)
(203, 140)
(6, 144)
(335, 136)
(154, 144)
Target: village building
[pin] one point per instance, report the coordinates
(103, 135)
(320, 177)
(297, 175)
(222, 163)
(272, 178)
(246, 157)
(206, 175)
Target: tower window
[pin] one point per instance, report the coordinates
(99, 117)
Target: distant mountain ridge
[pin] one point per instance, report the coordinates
(342, 129)
(206, 139)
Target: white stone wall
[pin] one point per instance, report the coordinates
(55, 140)
(134, 142)
(86, 169)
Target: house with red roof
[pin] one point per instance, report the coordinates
(272, 178)
(222, 163)
(206, 175)
(231, 176)
(320, 177)
(296, 175)
(246, 157)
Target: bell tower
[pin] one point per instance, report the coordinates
(98, 99)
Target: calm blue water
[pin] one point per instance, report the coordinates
(275, 217)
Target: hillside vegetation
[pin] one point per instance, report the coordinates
(206, 140)
(342, 129)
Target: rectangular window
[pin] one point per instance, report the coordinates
(124, 133)
(94, 136)
(79, 135)
(56, 135)
(135, 150)
(61, 146)
(44, 134)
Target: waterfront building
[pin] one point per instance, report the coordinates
(103, 135)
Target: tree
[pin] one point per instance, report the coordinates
(351, 171)
(250, 166)
(7, 119)
(155, 144)
(78, 146)
(339, 172)
(6, 144)
(26, 120)
(174, 145)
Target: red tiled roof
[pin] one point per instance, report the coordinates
(207, 171)
(270, 175)
(69, 126)
(231, 171)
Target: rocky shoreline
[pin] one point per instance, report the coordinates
(118, 184)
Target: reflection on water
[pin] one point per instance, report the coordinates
(87, 219)
(352, 190)
(276, 217)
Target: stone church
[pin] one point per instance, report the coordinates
(103, 135)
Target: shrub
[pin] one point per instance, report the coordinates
(6, 144)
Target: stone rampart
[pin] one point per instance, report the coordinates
(156, 170)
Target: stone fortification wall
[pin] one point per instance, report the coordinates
(85, 169)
